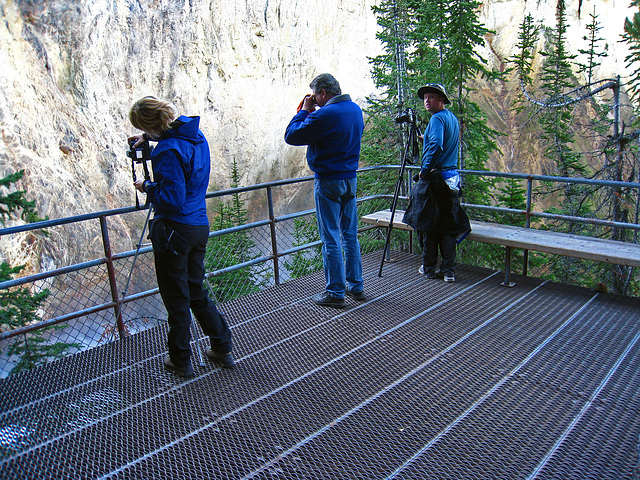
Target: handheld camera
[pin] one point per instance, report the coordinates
(140, 155)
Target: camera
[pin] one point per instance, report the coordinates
(407, 116)
(141, 153)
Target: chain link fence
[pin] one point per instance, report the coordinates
(96, 277)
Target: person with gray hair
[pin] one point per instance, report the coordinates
(326, 82)
(332, 133)
(180, 229)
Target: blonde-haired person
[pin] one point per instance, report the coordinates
(180, 228)
(152, 116)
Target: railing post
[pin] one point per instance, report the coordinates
(274, 241)
(507, 269)
(112, 275)
(527, 224)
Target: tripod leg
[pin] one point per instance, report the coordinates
(409, 147)
(120, 302)
(196, 338)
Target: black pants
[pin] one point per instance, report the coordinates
(430, 242)
(180, 273)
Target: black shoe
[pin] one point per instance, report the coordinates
(430, 273)
(225, 360)
(181, 372)
(359, 296)
(326, 300)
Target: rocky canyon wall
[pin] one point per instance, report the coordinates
(70, 70)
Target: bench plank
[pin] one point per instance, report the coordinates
(382, 218)
(579, 246)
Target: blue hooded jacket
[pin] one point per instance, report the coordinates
(332, 133)
(181, 164)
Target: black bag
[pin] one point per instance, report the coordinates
(165, 239)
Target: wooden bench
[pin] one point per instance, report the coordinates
(589, 248)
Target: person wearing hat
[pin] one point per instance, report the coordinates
(434, 210)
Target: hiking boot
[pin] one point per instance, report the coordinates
(449, 277)
(225, 360)
(326, 300)
(359, 296)
(186, 371)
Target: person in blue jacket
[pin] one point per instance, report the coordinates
(180, 229)
(333, 132)
(434, 210)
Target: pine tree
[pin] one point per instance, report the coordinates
(19, 306)
(440, 46)
(15, 202)
(233, 248)
(439, 40)
(631, 37)
(307, 261)
(557, 118)
(557, 78)
(447, 36)
(383, 141)
(593, 52)
(522, 62)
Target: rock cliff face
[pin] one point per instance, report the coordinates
(69, 72)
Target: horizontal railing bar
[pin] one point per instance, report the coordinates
(77, 314)
(54, 321)
(547, 178)
(44, 224)
(292, 216)
(258, 186)
(523, 176)
(52, 273)
(554, 216)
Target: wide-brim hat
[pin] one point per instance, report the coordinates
(434, 88)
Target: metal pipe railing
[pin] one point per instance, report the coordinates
(110, 258)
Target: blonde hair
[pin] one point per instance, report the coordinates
(152, 115)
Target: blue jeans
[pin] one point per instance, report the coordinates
(337, 215)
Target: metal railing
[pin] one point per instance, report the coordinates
(86, 294)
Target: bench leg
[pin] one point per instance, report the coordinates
(507, 270)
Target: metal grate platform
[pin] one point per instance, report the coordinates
(426, 380)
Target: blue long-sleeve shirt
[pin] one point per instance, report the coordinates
(332, 133)
(441, 142)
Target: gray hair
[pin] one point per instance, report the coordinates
(327, 82)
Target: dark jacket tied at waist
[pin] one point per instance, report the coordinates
(434, 209)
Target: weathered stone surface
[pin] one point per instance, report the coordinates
(69, 72)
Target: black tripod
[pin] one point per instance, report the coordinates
(411, 152)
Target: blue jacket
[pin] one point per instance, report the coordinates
(181, 163)
(441, 142)
(333, 133)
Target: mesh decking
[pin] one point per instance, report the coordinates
(426, 380)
